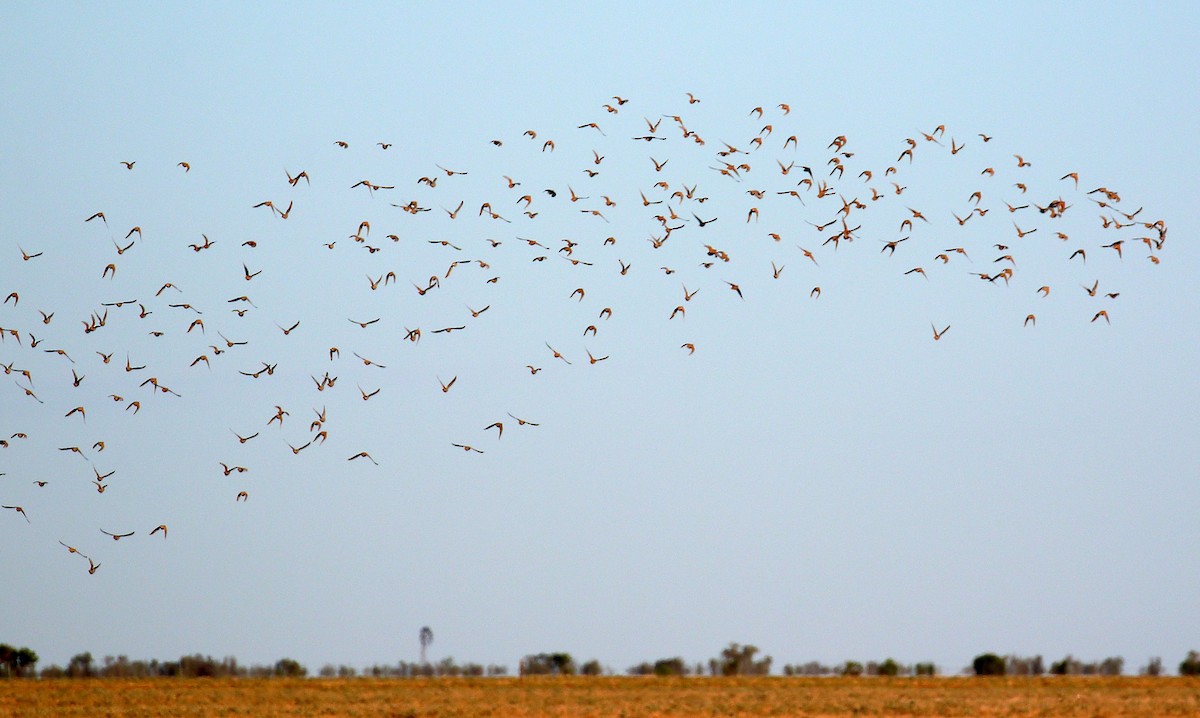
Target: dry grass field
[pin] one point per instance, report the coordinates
(615, 696)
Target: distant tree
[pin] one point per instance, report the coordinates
(1068, 666)
(557, 664)
(591, 668)
(564, 665)
(1153, 667)
(670, 667)
(1190, 665)
(812, 668)
(988, 664)
(925, 669)
(7, 655)
(426, 638)
(289, 668)
(80, 666)
(738, 660)
(888, 668)
(16, 662)
(1023, 666)
(53, 671)
(851, 668)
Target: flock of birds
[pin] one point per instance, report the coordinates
(696, 206)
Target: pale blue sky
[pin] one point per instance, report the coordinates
(821, 478)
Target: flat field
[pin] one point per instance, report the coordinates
(607, 696)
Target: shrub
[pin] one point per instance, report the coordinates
(988, 664)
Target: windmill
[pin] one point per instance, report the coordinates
(426, 637)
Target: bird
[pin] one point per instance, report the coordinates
(160, 527)
(467, 447)
(363, 455)
(19, 510)
(116, 537)
(936, 334)
(71, 549)
(556, 353)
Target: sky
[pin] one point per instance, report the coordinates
(821, 478)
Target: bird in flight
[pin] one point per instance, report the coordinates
(19, 510)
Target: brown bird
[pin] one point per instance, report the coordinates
(556, 353)
(19, 510)
(160, 527)
(689, 346)
(1102, 313)
(496, 425)
(363, 455)
(71, 549)
(116, 537)
(446, 386)
(936, 334)
(523, 422)
(467, 447)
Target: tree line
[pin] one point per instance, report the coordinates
(991, 664)
(734, 660)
